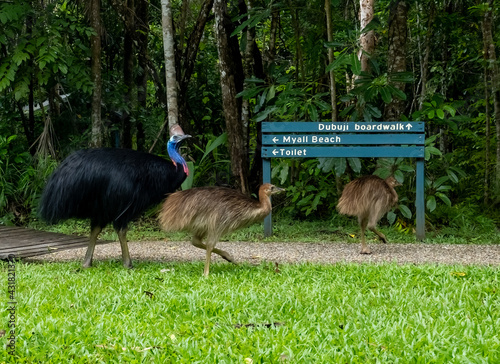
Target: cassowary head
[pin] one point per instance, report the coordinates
(393, 182)
(270, 189)
(173, 146)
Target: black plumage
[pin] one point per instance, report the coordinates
(111, 186)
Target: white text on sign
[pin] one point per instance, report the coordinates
(306, 139)
(364, 127)
(289, 152)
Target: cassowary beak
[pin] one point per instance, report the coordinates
(178, 138)
(277, 190)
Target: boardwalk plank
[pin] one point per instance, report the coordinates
(12, 243)
(28, 242)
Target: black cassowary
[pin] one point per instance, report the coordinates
(112, 186)
(208, 213)
(369, 198)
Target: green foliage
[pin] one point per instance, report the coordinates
(213, 167)
(345, 61)
(339, 165)
(21, 181)
(465, 221)
(42, 51)
(11, 166)
(308, 190)
(439, 181)
(399, 168)
(438, 112)
(169, 313)
(369, 89)
(285, 100)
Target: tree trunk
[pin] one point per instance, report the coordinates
(161, 94)
(396, 58)
(299, 59)
(424, 63)
(168, 47)
(232, 111)
(128, 68)
(252, 67)
(54, 97)
(170, 73)
(25, 122)
(333, 88)
(31, 116)
(493, 70)
(248, 63)
(95, 70)
(182, 26)
(333, 85)
(367, 39)
(142, 26)
(270, 52)
(486, 193)
(367, 47)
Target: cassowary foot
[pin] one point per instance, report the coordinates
(229, 258)
(128, 265)
(87, 265)
(365, 251)
(225, 255)
(383, 239)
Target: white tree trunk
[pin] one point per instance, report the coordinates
(168, 48)
(366, 40)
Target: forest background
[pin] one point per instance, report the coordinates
(78, 74)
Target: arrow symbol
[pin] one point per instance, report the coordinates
(275, 152)
(275, 140)
(409, 126)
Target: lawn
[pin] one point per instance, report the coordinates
(307, 313)
(337, 229)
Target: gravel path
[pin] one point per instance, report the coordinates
(167, 251)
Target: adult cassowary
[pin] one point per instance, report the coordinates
(115, 186)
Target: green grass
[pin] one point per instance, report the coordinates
(308, 313)
(338, 229)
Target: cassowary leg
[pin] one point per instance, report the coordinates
(380, 235)
(372, 224)
(87, 262)
(122, 235)
(362, 224)
(207, 261)
(196, 241)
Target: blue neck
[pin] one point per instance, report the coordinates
(175, 156)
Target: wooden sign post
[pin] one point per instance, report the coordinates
(346, 139)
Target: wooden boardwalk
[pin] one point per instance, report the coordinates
(22, 242)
